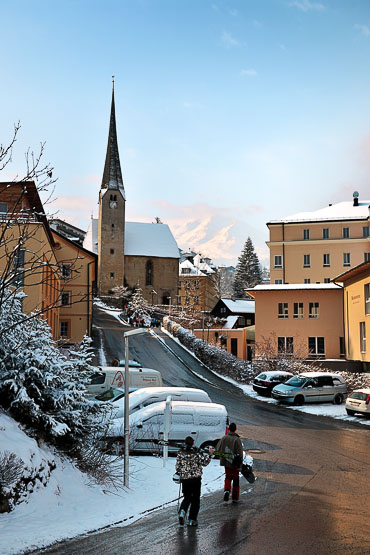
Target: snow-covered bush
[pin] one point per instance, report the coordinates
(215, 358)
(39, 386)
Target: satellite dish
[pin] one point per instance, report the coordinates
(356, 194)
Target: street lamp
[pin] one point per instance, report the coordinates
(169, 308)
(126, 406)
(153, 293)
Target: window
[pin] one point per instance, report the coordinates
(342, 348)
(178, 299)
(196, 284)
(149, 273)
(185, 270)
(316, 346)
(64, 329)
(187, 300)
(363, 337)
(278, 281)
(306, 280)
(314, 310)
(306, 234)
(365, 231)
(367, 298)
(179, 284)
(196, 299)
(345, 232)
(325, 233)
(306, 260)
(346, 259)
(283, 310)
(111, 275)
(285, 345)
(3, 208)
(278, 261)
(18, 267)
(326, 280)
(65, 298)
(112, 251)
(326, 259)
(366, 256)
(66, 271)
(298, 310)
(222, 309)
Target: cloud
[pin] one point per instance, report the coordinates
(76, 210)
(306, 5)
(365, 29)
(228, 40)
(248, 72)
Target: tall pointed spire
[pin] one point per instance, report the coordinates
(112, 176)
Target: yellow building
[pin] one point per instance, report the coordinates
(303, 320)
(77, 284)
(314, 247)
(197, 285)
(356, 308)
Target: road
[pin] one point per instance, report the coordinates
(311, 495)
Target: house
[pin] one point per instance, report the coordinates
(197, 283)
(238, 313)
(356, 307)
(132, 254)
(303, 320)
(316, 246)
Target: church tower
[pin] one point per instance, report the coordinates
(111, 226)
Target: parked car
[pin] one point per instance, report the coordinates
(106, 377)
(312, 387)
(113, 394)
(358, 401)
(265, 382)
(146, 396)
(206, 423)
(131, 363)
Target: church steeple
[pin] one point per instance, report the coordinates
(112, 176)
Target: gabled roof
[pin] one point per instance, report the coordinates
(73, 244)
(239, 306)
(194, 271)
(353, 272)
(333, 212)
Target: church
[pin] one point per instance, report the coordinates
(132, 254)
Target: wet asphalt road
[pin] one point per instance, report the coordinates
(311, 496)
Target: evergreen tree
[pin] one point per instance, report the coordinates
(248, 270)
(137, 304)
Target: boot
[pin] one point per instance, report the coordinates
(182, 517)
(226, 495)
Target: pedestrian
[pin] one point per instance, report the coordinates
(231, 444)
(189, 465)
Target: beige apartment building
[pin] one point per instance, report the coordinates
(304, 320)
(314, 247)
(356, 306)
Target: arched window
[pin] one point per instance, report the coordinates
(149, 273)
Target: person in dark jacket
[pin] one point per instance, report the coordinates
(231, 444)
(189, 466)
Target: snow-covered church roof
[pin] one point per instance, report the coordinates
(141, 239)
(339, 211)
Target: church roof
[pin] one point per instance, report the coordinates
(141, 239)
(112, 176)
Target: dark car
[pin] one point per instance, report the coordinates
(265, 382)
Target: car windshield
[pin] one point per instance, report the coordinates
(296, 381)
(261, 377)
(112, 393)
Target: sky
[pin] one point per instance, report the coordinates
(229, 113)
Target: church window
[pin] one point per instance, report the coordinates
(149, 273)
(112, 227)
(112, 251)
(112, 275)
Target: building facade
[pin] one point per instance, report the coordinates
(314, 247)
(197, 284)
(302, 320)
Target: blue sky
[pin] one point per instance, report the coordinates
(229, 114)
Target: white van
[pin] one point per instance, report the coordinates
(206, 423)
(106, 377)
(146, 396)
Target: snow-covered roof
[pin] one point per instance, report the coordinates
(230, 322)
(141, 239)
(339, 211)
(206, 268)
(239, 306)
(187, 265)
(294, 286)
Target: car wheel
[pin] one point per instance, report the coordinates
(350, 412)
(338, 399)
(207, 444)
(299, 400)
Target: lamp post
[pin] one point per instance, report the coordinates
(126, 405)
(169, 308)
(154, 293)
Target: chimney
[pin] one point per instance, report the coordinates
(355, 198)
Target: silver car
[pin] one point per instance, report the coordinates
(312, 387)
